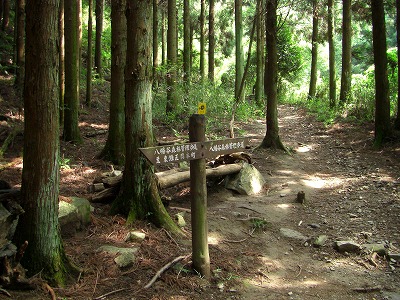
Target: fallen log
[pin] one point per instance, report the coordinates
(165, 180)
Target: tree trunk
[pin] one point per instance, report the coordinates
(382, 103)
(40, 177)
(345, 85)
(89, 55)
(397, 121)
(155, 37)
(186, 42)
(139, 197)
(163, 26)
(202, 40)
(259, 93)
(61, 73)
(99, 11)
(172, 99)
(314, 52)
(20, 45)
(6, 15)
(114, 149)
(332, 59)
(72, 62)
(211, 41)
(271, 139)
(239, 56)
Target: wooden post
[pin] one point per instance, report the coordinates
(198, 191)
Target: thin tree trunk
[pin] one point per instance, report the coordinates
(211, 41)
(271, 139)
(382, 103)
(345, 85)
(332, 59)
(99, 11)
(259, 92)
(163, 39)
(155, 37)
(397, 121)
(6, 15)
(202, 40)
(314, 52)
(72, 62)
(239, 56)
(89, 63)
(61, 73)
(172, 99)
(140, 198)
(40, 177)
(186, 42)
(114, 149)
(20, 45)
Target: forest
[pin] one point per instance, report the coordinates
(311, 87)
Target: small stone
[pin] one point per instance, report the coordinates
(320, 241)
(347, 246)
(377, 248)
(314, 225)
(135, 236)
(181, 219)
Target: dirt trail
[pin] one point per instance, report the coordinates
(352, 193)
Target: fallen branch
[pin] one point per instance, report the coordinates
(368, 289)
(109, 293)
(163, 269)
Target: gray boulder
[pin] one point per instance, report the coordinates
(74, 215)
(248, 181)
(125, 256)
(347, 246)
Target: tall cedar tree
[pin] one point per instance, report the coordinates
(40, 176)
(114, 150)
(271, 139)
(397, 121)
(6, 15)
(172, 59)
(20, 45)
(72, 65)
(239, 55)
(155, 37)
(89, 64)
(202, 40)
(259, 87)
(186, 42)
(314, 51)
(332, 60)
(211, 41)
(382, 103)
(99, 11)
(139, 197)
(345, 85)
(61, 73)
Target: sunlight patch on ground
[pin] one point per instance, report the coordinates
(96, 126)
(284, 206)
(318, 183)
(214, 238)
(278, 282)
(303, 149)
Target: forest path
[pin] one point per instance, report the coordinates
(352, 193)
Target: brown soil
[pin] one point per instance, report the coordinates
(352, 193)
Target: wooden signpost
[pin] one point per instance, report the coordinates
(196, 151)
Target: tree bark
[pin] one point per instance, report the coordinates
(6, 15)
(202, 40)
(99, 11)
(155, 37)
(40, 177)
(20, 45)
(61, 73)
(211, 41)
(271, 139)
(259, 93)
(89, 62)
(332, 59)
(72, 62)
(172, 99)
(186, 42)
(314, 52)
(397, 121)
(139, 197)
(345, 85)
(382, 103)
(239, 56)
(114, 150)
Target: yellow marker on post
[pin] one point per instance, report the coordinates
(201, 109)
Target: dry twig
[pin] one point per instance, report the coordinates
(163, 269)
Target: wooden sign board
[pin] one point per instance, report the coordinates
(190, 151)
